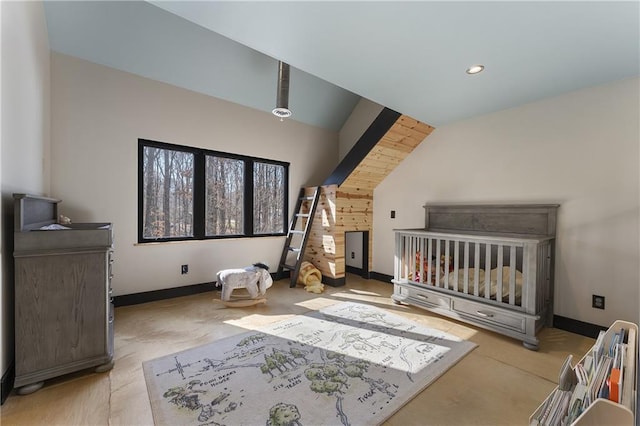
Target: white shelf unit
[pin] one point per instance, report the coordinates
(603, 411)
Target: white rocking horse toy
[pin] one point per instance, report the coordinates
(254, 279)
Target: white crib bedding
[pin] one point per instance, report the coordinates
(493, 282)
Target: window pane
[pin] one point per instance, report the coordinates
(268, 198)
(224, 180)
(167, 193)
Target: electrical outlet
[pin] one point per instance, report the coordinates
(353, 255)
(184, 269)
(597, 301)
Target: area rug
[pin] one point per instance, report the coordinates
(349, 364)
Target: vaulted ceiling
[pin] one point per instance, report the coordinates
(408, 56)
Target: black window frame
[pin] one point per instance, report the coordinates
(199, 192)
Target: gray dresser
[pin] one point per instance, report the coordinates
(63, 309)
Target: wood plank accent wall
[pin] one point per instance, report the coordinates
(399, 141)
(349, 206)
(321, 246)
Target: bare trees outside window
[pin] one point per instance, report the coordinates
(268, 198)
(167, 193)
(225, 196)
(189, 193)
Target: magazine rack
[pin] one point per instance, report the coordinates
(603, 411)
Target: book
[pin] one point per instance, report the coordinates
(560, 411)
(554, 409)
(598, 349)
(630, 356)
(598, 386)
(617, 371)
(567, 378)
(581, 374)
(615, 385)
(588, 365)
(545, 410)
(577, 402)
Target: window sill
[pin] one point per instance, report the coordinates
(208, 240)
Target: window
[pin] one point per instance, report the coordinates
(268, 198)
(188, 193)
(224, 180)
(167, 193)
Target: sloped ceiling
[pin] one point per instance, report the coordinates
(139, 38)
(393, 147)
(408, 56)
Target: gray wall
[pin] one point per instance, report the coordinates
(25, 127)
(579, 150)
(358, 122)
(98, 114)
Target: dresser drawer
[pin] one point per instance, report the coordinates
(431, 299)
(488, 314)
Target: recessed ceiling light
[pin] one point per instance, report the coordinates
(475, 69)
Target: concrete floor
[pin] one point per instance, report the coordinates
(498, 383)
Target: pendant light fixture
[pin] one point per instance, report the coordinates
(282, 99)
(475, 69)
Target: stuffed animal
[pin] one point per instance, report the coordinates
(255, 279)
(311, 278)
(443, 263)
(425, 269)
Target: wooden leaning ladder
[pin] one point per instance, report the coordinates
(301, 234)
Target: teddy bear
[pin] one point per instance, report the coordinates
(311, 278)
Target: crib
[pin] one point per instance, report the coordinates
(488, 265)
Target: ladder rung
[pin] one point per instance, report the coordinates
(304, 233)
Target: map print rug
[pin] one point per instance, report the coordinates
(348, 364)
